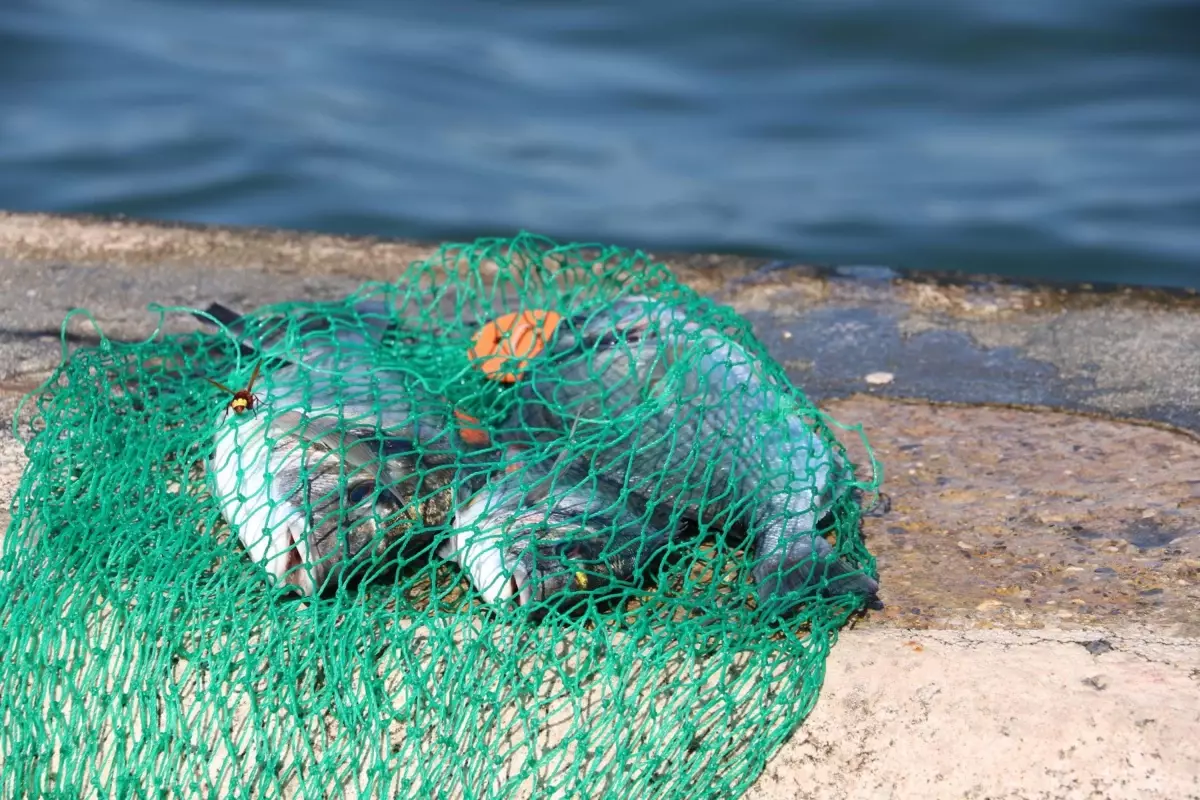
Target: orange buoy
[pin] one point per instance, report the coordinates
(515, 337)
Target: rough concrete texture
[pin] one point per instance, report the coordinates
(1127, 352)
(1041, 567)
(998, 714)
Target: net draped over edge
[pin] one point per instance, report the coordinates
(145, 653)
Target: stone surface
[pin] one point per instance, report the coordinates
(1127, 352)
(1041, 567)
(1007, 518)
(997, 715)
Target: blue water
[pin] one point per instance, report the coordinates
(1051, 138)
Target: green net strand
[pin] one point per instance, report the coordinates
(388, 574)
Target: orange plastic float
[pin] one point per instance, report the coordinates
(504, 346)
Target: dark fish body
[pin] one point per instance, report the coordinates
(688, 420)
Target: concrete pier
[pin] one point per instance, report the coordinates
(1041, 445)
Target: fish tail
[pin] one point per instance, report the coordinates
(804, 569)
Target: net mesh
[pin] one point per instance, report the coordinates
(428, 554)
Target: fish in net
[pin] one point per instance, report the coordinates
(529, 521)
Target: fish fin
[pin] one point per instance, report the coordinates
(273, 533)
(809, 566)
(371, 314)
(539, 492)
(290, 563)
(222, 314)
(233, 322)
(604, 340)
(565, 455)
(563, 463)
(621, 326)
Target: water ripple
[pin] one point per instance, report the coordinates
(1025, 137)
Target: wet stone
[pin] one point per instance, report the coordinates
(1016, 518)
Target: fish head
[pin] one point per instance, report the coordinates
(608, 364)
(354, 522)
(313, 498)
(499, 530)
(583, 547)
(549, 536)
(564, 568)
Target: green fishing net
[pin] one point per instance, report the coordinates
(421, 557)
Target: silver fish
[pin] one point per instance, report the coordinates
(341, 460)
(555, 536)
(696, 426)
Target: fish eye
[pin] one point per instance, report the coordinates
(358, 493)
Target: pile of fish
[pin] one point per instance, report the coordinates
(632, 426)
